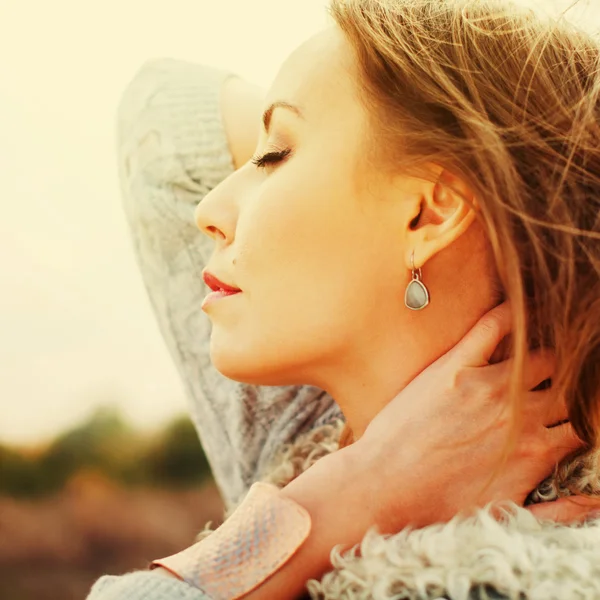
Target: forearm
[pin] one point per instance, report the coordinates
(339, 512)
(241, 109)
(277, 540)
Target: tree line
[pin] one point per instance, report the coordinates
(107, 444)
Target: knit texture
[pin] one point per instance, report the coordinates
(144, 585)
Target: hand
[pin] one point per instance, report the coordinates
(568, 510)
(437, 448)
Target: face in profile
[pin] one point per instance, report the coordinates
(315, 236)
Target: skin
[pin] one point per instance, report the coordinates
(461, 398)
(241, 108)
(320, 245)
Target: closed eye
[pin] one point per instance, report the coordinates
(270, 158)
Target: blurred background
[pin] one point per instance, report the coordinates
(100, 469)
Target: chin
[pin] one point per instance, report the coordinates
(251, 368)
(252, 376)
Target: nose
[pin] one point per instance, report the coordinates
(216, 214)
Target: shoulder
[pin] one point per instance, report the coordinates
(476, 557)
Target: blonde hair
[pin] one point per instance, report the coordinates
(508, 100)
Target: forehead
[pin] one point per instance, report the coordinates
(320, 77)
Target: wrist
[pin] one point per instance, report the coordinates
(332, 504)
(254, 544)
(337, 494)
(396, 490)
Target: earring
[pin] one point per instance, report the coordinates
(417, 295)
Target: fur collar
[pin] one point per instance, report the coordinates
(469, 558)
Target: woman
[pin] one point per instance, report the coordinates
(418, 163)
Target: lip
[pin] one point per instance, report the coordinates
(218, 295)
(216, 285)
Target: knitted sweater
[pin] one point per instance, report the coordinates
(172, 151)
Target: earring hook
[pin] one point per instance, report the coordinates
(416, 273)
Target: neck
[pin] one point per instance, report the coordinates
(363, 381)
(364, 387)
(380, 356)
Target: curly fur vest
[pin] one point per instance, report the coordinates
(469, 558)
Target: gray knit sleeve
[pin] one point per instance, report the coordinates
(144, 585)
(172, 150)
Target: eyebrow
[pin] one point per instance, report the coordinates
(266, 119)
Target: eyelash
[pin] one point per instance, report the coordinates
(270, 158)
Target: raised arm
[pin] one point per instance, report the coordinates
(173, 148)
(241, 110)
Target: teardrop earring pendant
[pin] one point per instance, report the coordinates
(416, 296)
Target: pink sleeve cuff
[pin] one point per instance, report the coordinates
(263, 533)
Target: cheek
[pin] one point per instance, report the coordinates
(292, 260)
(287, 231)
(287, 343)
(304, 213)
(313, 270)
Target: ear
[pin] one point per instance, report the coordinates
(447, 209)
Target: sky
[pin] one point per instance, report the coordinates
(76, 328)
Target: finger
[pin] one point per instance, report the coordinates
(539, 366)
(545, 408)
(568, 510)
(562, 441)
(476, 348)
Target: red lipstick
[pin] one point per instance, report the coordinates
(216, 284)
(219, 289)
